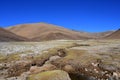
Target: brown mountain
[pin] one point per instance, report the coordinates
(43, 31)
(102, 34)
(114, 35)
(6, 35)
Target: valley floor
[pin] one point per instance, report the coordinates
(81, 59)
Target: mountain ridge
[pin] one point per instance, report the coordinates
(36, 30)
(44, 31)
(6, 35)
(114, 35)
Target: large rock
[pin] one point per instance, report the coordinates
(46, 67)
(50, 75)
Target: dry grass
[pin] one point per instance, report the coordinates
(38, 60)
(9, 58)
(51, 52)
(77, 59)
(41, 59)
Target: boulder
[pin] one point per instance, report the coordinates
(50, 75)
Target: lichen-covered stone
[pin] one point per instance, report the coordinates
(50, 75)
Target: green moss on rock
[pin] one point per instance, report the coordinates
(50, 75)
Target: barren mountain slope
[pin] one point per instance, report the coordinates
(102, 34)
(9, 36)
(114, 35)
(45, 31)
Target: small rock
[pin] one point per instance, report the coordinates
(46, 67)
(53, 58)
(68, 68)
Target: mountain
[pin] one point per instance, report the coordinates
(114, 35)
(102, 34)
(6, 35)
(43, 31)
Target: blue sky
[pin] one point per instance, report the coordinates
(81, 15)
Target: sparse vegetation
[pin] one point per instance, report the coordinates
(78, 58)
(9, 58)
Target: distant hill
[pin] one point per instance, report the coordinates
(43, 31)
(102, 34)
(6, 35)
(114, 35)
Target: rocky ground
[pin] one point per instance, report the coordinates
(60, 60)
